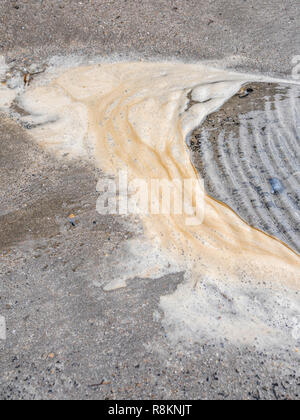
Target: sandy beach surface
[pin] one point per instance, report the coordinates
(68, 338)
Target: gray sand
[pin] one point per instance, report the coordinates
(65, 337)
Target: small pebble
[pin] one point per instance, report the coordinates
(71, 219)
(276, 186)
(245, 92)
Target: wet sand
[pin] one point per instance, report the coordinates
(64, 333)
(136, 117)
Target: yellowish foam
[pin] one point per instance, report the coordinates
(135, 116)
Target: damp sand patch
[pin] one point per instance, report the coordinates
(137, 117)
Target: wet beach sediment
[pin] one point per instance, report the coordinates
(101, 255)
(248, 155)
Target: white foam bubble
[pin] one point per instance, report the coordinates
(136, 258)
(229, 312)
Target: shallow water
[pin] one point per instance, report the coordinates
(249, 156)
